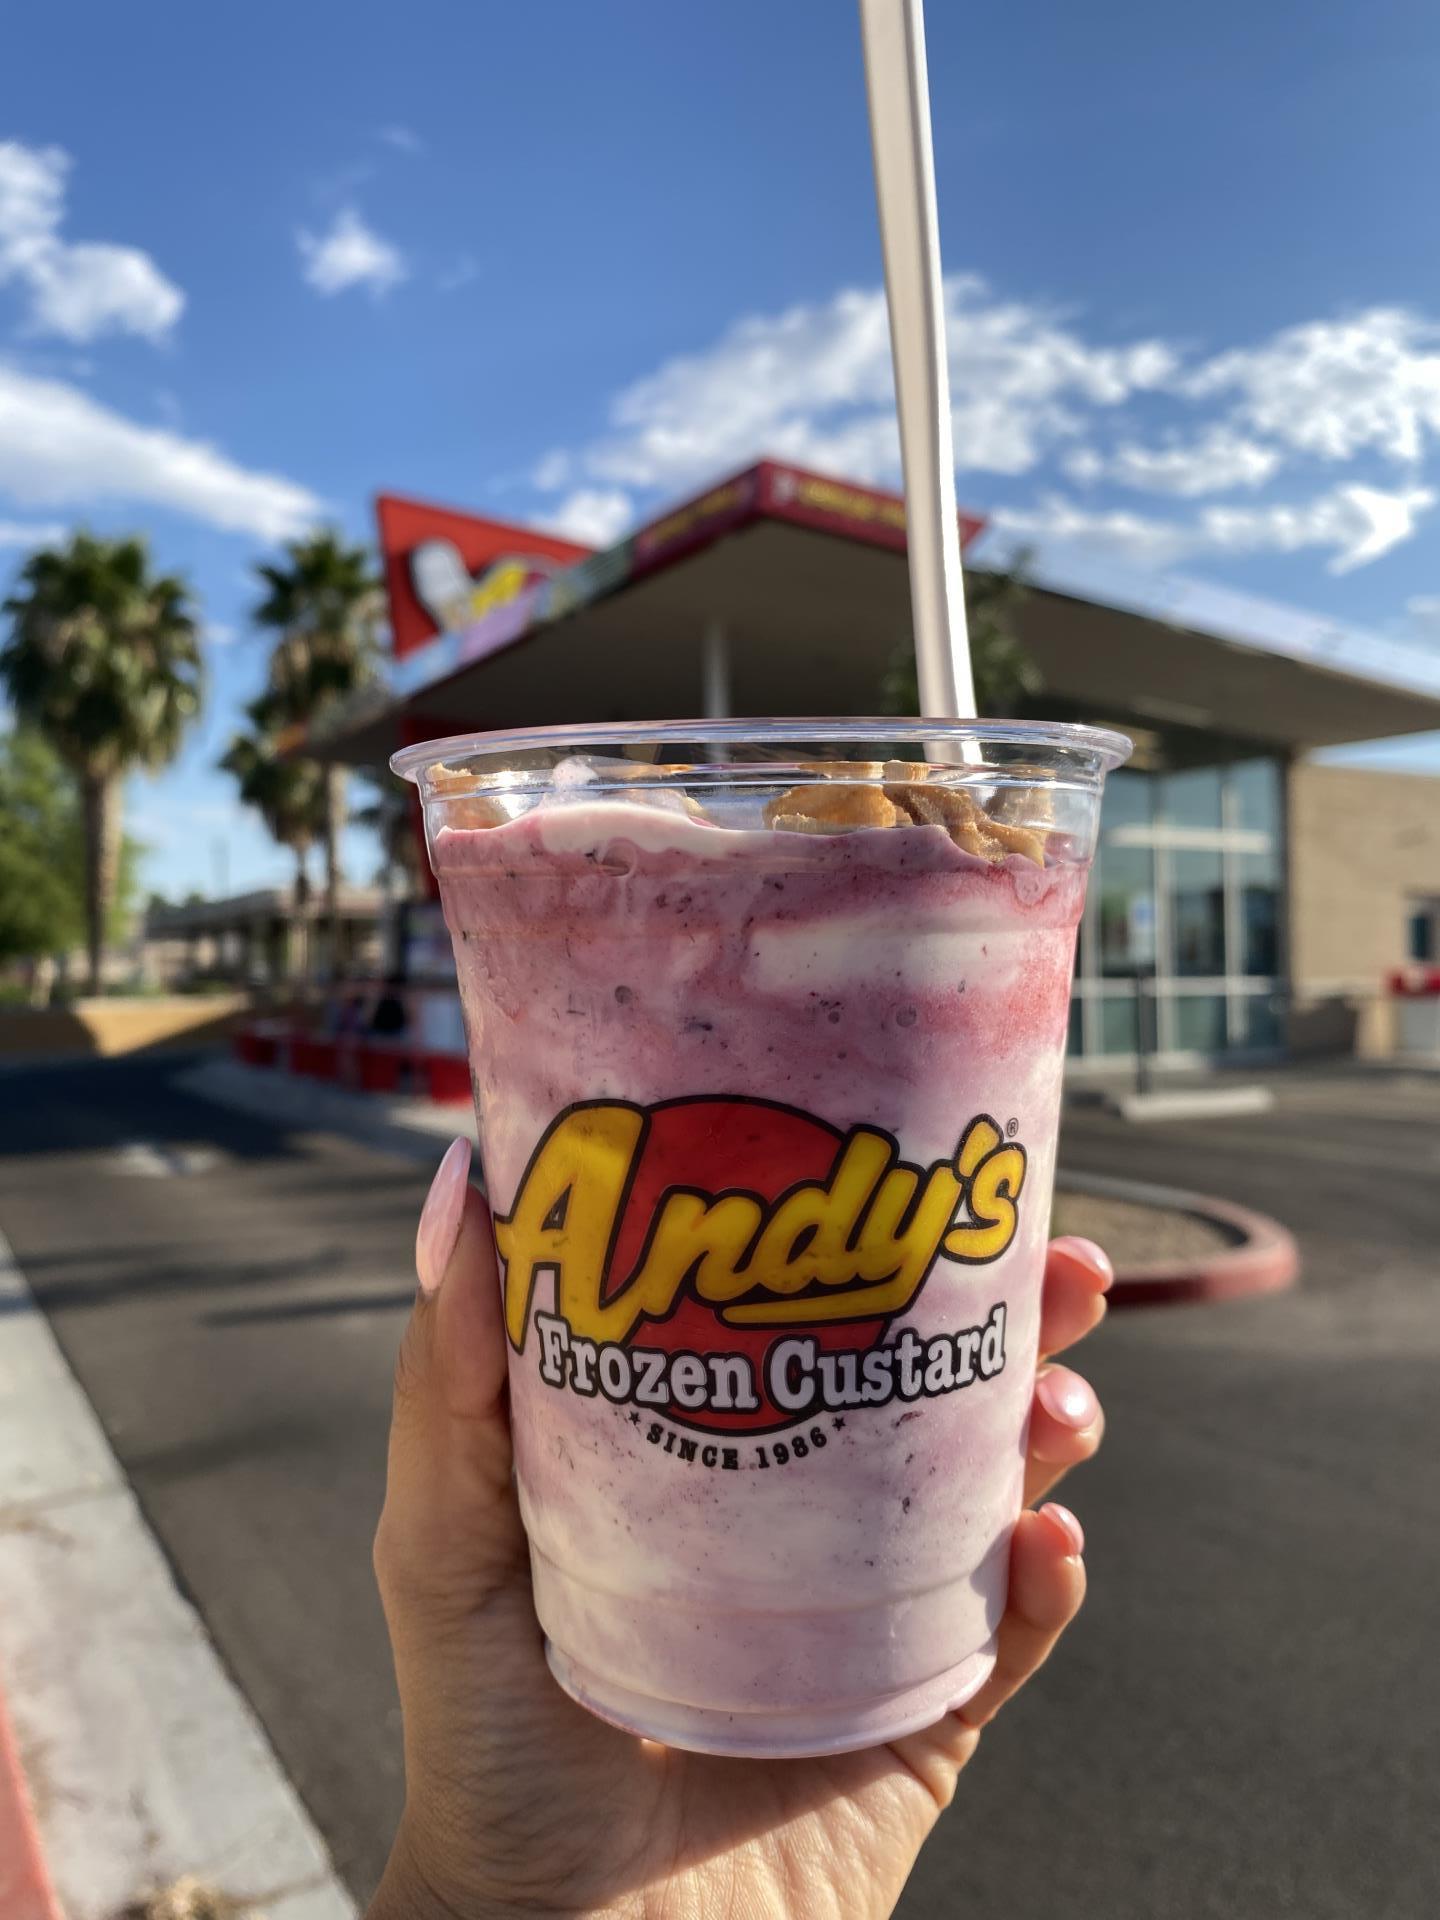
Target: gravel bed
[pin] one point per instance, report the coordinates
(1135, 1235)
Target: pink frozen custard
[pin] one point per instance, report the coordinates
(767, 1042)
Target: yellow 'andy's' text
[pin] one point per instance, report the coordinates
(856, 1245)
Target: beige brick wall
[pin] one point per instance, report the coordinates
(1363, 845)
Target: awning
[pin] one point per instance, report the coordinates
(785, 592)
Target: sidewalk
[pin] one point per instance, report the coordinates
(393, 1123)
(419, 1129)
(135, 1762)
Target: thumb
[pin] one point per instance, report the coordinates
(450, 1532)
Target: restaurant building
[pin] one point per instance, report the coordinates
(1265, 899)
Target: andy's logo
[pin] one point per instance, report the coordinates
(711, 1226)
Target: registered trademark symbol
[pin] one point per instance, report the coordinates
(1012, 1127)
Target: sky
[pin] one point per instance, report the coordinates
(566, 262)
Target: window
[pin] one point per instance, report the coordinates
(1127, 909)
(1188, 888)
(1421, 943)
(1255, 796)
(1191, 799)
(1259, 912)
(1129, 801)
(1198, 907)
(1117, 1023)
(1199, 1022)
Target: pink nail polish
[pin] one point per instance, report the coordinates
(1093, 1259)
(1067, 1398)
(1063, 1518)
(439, 1227)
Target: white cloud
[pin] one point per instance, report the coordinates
(83, 291)
(1133, 536)
(1424, 612)
(78, 290)
(1085, 465)
(814, 384)
(15, 533)
(59, 447)
(1033, 394)
(403, 139)
(595, 516)
(1353, 524)
(1217, 462)
(1021, 381)
(350, 254)
(553, 472)
(220, 635)
(868, 448)
(1334, 388)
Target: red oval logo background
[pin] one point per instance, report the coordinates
(724, 1144)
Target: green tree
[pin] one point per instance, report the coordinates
(323, 606)
(288, 794)
(41, 908)
(42, 855)
(1005, 675)
(103, 658)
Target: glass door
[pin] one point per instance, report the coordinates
(1186, 893)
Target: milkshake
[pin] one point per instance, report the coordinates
(767, 1060)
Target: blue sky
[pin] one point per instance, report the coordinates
(567, 261)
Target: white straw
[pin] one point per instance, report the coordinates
(894, 36)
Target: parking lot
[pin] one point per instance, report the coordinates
(1241, 1725)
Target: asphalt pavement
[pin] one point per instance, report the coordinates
(1241, 1725)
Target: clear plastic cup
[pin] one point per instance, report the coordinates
(767, 1022)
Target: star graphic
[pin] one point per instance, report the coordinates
(837, 1424)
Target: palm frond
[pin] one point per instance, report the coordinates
(102, 655)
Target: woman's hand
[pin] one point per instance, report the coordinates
(520, 1802)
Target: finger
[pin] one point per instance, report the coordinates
(1067, 1425)
(1077, 1277)
(450, 1531)
(1047, 1585)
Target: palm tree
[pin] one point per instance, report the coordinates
(103, 658)
(390, 814)
(289, 795)
(323, 605)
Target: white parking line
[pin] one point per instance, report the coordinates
(142, 1159)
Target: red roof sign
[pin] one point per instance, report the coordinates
(444, 570)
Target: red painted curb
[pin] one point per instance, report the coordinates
(26, 1889)
(1266, 1259)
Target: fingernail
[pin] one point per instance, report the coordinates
(1063, 1518)
(1086, 1254)
(1067, 1398)
(439, 1227)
